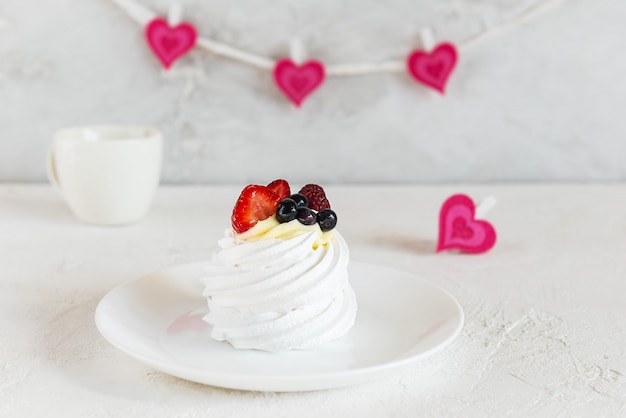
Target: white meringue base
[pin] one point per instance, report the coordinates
(280, 294)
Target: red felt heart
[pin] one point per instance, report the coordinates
(433, 69)
(298, 81)
(458, 229)
(170, 43)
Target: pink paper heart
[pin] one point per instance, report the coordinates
(458, 228)
(298, 81)
(433, 69)
(170, 43)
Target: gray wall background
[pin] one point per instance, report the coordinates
(544, 101)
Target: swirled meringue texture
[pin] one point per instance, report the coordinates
(280, 287)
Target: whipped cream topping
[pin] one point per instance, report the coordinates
(279, 287)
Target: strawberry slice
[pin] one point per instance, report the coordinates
(281, 188)
(255, 203)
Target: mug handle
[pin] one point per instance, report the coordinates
(51, 171)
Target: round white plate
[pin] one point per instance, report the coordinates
(158, 320)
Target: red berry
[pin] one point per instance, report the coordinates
(316, 196)
(255, 203)
(281, 188)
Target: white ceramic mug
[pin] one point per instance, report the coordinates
(108, 175)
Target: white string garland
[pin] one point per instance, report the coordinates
(142, 15)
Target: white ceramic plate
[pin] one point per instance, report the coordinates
(401, 319)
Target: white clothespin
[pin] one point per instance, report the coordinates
(484, 206)
(427, 38)
(174, 14)
(297, 51)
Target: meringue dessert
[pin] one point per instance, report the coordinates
(280, 280)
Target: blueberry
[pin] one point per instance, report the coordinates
(286, 210)
(301, 200)
(306, 216)
(327, 218)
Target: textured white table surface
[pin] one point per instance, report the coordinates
(545, 331)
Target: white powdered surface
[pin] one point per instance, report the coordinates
(545, 331)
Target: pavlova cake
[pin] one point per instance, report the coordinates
(280, 279)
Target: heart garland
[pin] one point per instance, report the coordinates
(297, 82)
(430, 68)
(460, 230)
(170, 43)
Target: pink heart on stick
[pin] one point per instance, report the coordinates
(170, 43)
(298, 81)
(433, 69)
(458, 228)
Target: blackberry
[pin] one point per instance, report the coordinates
(286, 210)
(327, 219)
